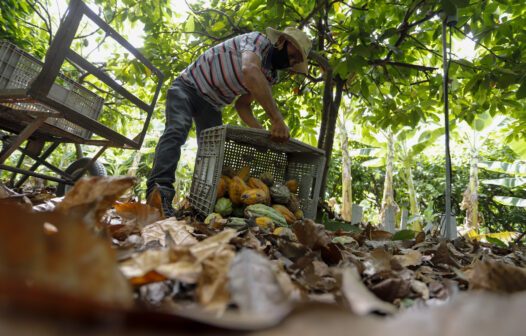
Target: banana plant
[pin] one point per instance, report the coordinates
(476, 134)
(400, 149)
(519, 179)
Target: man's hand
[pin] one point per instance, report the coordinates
(279, 132)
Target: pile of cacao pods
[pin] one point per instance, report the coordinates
(241, 196)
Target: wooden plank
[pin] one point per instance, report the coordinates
(23, 136)
(57, 51)
(77, 59)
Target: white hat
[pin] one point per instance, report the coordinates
(300, 41)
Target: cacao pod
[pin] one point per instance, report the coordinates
(228, 171)
(289, 216)
(253, 196)
(244, 173)
(212, 216)
(236, 222)
(267, 178)
(292, 185)
(294, 203)
(236, 189)
(258, 184)
(265, 223)
(280, 194)
(223, 206)
(223, 186)
(298, 214)
(262, 210)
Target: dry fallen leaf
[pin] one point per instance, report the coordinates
(179, 231)
(154, 200)
(410, 258)
(498, 277)
(212, 292)
(142, 263)
(137, 214)
(311, 234)
(253, 285)
(72, 261)
(212, 245)
(97, 194)
(360, 299)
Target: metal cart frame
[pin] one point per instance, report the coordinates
(29, 125)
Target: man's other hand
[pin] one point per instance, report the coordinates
(279, 132)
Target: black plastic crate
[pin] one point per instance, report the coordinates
(239, 147)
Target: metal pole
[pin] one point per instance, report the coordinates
(449, 228)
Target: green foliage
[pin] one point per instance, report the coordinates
(404, 235)
(388, 53)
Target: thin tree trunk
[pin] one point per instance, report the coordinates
(135, 164)
(346, 173)
(413, 202)
(329, 138)
(470, 196)
(388, 195)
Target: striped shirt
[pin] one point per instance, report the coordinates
(217, 72)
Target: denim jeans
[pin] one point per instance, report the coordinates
(183, 103)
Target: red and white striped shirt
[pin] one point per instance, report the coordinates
(217, 72)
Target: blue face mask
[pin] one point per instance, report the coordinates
(280, 58)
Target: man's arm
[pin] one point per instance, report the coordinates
(245, 111)
(259, 89)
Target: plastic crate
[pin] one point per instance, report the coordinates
(18, 69)
(238, 147)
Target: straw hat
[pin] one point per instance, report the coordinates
(299, 39)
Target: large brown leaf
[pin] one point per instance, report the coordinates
(498, 277)
(96, 193)
(71, 260)
(311, 234)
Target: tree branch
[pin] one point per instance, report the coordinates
(402, 65)
(311, 14)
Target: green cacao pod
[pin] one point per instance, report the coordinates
(280, 194)
(262, 210)
(223, 206)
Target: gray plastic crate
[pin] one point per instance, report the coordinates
(239, 147)
(17, 71)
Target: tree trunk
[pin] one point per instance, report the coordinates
(135, 164)
(413, 202)
(346, 173)
(388, 195)
(470, 196)
(329, 137)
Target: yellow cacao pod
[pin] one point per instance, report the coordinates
(236, 188)
(244, 173)
(253, 196)
(258, 184)
(265, 223)
(298, 214)
(228, 171)
(292, 185)
(222, 188)
(289, 216)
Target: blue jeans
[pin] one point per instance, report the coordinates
(183, 103)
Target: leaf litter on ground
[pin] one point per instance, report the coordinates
(92, 246)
